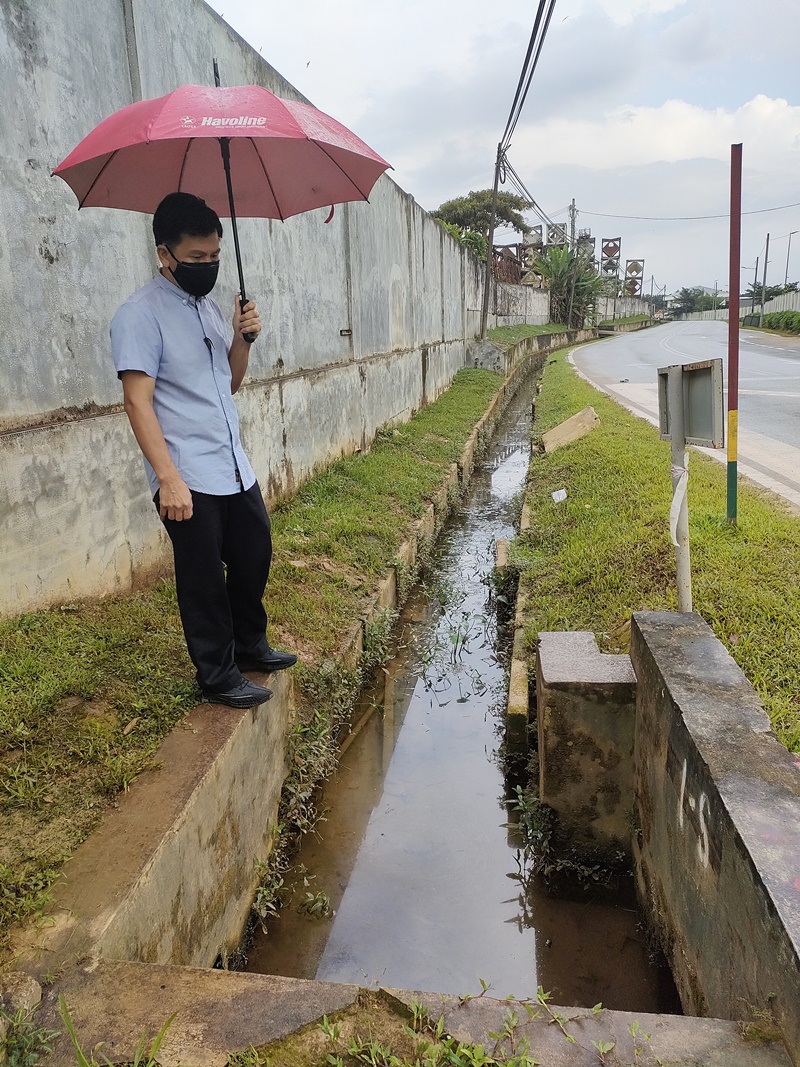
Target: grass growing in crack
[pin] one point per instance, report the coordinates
(591, 560)
(88, 691)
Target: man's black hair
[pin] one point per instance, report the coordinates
(184, 215)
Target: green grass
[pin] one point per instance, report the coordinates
(506, 337)
(88, 691)
(605, 551)
(621, 322)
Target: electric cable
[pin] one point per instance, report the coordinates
(685, 218)
(507, 139)
(525, 63)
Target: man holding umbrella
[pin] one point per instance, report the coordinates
(180, 363)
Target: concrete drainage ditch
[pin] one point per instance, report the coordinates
(124, 983)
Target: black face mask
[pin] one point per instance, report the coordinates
(196, 279)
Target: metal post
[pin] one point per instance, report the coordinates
(788, 250)
(487, 278)
(764, 285)
(679, 466)
(734, 285)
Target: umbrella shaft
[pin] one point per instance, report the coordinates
(225, 148)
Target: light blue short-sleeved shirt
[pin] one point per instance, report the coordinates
(183, 343)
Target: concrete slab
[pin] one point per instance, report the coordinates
(673, 1039)
(571, 429)
(216, 1012)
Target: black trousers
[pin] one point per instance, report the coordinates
(222, 560)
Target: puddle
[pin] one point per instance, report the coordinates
(415, 854)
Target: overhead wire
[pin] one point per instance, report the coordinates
(685, 218)
(525, 62)
(550, 10)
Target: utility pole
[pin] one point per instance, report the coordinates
(652, 305)
(716, 283)
(755, 286)
(572, 217)
(734, 285)
(764, 285)
(487, 277)
(788, 250)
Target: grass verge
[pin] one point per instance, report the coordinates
(89, 690)
(506, 337)
(605, 551)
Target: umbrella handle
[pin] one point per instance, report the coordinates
(249, 337)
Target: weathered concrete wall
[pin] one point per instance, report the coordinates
(76, 517)
(718, 808)
(489, 356)
(621, 308)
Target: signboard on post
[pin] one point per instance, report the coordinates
(703, 422)
(689, 412)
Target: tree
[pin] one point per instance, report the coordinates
(573, 283)
(474, 241)
(474, 211)
(770, 293)
(690, 299)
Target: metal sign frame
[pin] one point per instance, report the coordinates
(703, 419)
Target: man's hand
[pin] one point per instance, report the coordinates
(175, 500)
(245, 319)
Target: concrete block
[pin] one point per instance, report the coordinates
(571, 429)
(517, 712)
(387, 592)
(467, 458)
(673, 1039)
(501, 554)
(216, 1012)
(718, 807)
(586, 705)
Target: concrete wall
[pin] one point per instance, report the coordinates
(76, 516)
(718, 808)
(784, 302)
(621, 308)
(715, 800)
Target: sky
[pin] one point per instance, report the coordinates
(632, 110)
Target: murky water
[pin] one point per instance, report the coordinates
(415, 853)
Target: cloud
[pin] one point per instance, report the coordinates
(632, 110)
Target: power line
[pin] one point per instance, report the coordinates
(684, 218)
(538, 34)
(513, 124)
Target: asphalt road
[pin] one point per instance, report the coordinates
(769, 389)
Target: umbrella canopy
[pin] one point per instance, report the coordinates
(285, 157)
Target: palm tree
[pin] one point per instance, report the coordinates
(573, 283)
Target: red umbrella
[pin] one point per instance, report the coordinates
(279, 157)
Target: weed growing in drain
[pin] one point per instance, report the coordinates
(25, 1042)
(142, 1057)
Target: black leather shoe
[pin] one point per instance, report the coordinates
(246, 695)
(273, 661)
